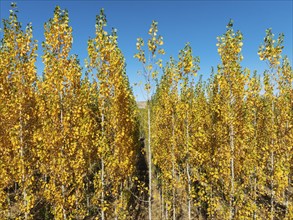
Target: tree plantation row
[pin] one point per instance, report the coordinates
(76, 146)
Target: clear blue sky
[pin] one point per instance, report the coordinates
(197, 22)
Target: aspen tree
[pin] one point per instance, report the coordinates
(69, 146)
(125, 141)
(17, 123)
(285, 135)
(253, 162)
(232, 82)
(79, 125)
(117, 143)
(60, 147)
(211, 94)
(89, 92)
(188, 67)
(123, 135)
(98, 50)
(164, 122)
(271, 51)
(150, 72)
(257, 155)
(270, 138)
(174, 98)
(199, 149)
(283, 117)
(215, 173)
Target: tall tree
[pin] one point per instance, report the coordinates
(62, 111)
(253, 162)
(150, 72)
(276, 121)
(164, 122)
(285, 134)
(17, 123)
(232, 82)
(188, 67)
(117, 142)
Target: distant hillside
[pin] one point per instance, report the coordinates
(141, 104)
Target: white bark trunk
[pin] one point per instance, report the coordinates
(88, 198)
(173, 167)
(255, 172)
(272, 184)
(188, 169)
(272, 169)
(189, 191)
(103, 185)
(289, 181)
(166, 211)
(62, 150)
(232, 172)
(63, 195)
(102, 173)
(24, 194)
(254, 189)
(150, 160)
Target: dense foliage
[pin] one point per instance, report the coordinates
(76, 146)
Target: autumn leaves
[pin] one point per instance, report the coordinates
(221, 149)
(69, 144)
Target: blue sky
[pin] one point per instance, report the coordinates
(197, 22)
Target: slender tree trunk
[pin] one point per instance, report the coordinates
(232, 171)
(103, 186)
(116, 213)
(255, 188)
(87, 197)
(76, 202)
(272, 184)
(63, 195)
(189, 191)
(287, 190)
(150, 160)
(255, 172)
(102, 175)
(102, 163)
(162, 203)
(286, 197)
(121, 202)
(173, 167)
(188, 169)
(272, 169)
(88, 204)
(62, 152)
(121, 195)
(166, 211)
(24, 194)
(46, 205)
(211, 200)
